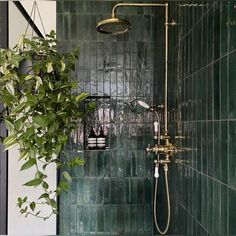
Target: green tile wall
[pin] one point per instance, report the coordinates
(112, 193)
(204, 202)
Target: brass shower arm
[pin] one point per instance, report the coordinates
(113, 14)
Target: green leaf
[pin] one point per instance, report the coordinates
(41, 121)
(76, 161)
(31, 98)
(82, 96)
(24, 154)
(32, 206)
(50, 85)
(41, 93)
(44, 195)
(19, 108)
(45, 185)
(38, 82)
(19, 123)
(63, 66)
(49, 67)
(31, 162)
(28, 133)
(9, 124)
(19, 202)
(53, 203)
(9, 140)
(67, 176)
(28, 77)
(37, 213)
(34, 182)
(10, 88)
(24, 199)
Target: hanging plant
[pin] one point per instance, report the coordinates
(40, 111)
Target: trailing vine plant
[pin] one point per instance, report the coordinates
(40, 111)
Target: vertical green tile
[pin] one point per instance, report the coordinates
(210, 101)
(100, 219)
(224, 209)
(224, 27)
(216, 207)
(210, 140)
(232, 86)
(232, 148)
(216, 30)
(232, 211)
(210, 26)
(224, 152)
(231, 20)
(79, 218)
(204, 203)
(217, 150)
(216, 91)
(86, 218)
(107, 218)
(210, 205)
(224, 88)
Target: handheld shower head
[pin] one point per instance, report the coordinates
(113, 26)
(143, 104)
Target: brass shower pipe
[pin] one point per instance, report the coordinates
(113, 15)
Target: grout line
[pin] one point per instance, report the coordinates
(190, 213)
(202, 121)
(191, 29)
(208, 176)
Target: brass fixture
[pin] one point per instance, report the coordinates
(167, 149)
(115, 25)
(180, 161)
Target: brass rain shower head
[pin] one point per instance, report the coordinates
(113, 26)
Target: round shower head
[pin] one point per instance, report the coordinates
(113, 26)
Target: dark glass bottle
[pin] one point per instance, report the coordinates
(101, 139)
(92, 139)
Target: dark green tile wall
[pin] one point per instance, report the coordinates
(204, 202)
(112, 193)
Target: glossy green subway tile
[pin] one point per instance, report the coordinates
(231, 26)
(210, 141)
(204, 153)
(217, 150)
(224, 27)
(204, 40)
(224, 152)
(100, 219)
(120, 219)
(232, 212)
(204, 88)
(107, 218)
(93, 219)
(224, 209)
(232, 86)
(210, 92)
(224, 98)
(86, 191)
(133, 217)
(210, 205)
(93, 191)
(216, 30)
(216, 207)
(86, 218)
(114, 191)
(204, 203)
(216, 89)
(232, 148)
